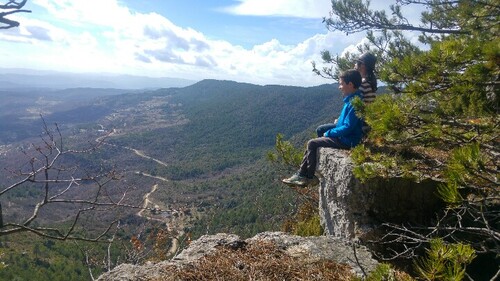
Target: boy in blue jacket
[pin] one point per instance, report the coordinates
(346, 134)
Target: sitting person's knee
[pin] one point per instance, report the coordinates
(311, 144)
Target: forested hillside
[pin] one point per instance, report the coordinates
(202, 146)
(217, 154)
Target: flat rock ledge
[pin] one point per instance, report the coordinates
(309, 248)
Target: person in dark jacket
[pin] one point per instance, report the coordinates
(365, 64)
(346, 134)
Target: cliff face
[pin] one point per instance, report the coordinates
(350, 209)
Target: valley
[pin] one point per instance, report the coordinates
(192, 159)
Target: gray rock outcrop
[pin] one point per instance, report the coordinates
(308, 248)
(350, 209)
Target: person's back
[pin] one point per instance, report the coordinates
(366, 66)
(368, 91)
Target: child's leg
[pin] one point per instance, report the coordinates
(308, 165)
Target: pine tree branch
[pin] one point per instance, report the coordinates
(354, 16)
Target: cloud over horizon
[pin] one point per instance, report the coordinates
(131, 42)
(285, 8)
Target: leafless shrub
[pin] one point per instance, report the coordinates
(69, 201)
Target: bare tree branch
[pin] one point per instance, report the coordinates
(12, 4)
(59, 186)
(17, 9)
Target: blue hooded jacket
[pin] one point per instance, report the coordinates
(349, 126)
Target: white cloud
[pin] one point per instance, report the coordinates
(289, 8)
(77, 37)
(309, 8)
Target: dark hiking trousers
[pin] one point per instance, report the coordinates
(308, 165)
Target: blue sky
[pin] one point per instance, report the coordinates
(255, 41)
(219, 20)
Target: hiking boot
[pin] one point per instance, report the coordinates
(296, 180)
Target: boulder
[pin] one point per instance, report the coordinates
(350, 209)
(309, 249)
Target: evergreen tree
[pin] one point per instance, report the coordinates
(440, 119)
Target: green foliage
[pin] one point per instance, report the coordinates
(247, 202)
(385, 272)
(440, 118)
(466, 164)
(445, 261)
(31, 258)
(440, 90)
(306, 222)
(286, 153)
(364, 169)
(449, 192)
(370, 164)
(229, 124)
(309, 227)
(386, 119)
(2, 263)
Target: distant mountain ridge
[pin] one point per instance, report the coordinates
(266, 106)
(12, 78)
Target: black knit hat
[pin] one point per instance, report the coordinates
(368, 59)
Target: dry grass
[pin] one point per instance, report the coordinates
(261, 261)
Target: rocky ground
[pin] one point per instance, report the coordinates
(266, 256)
